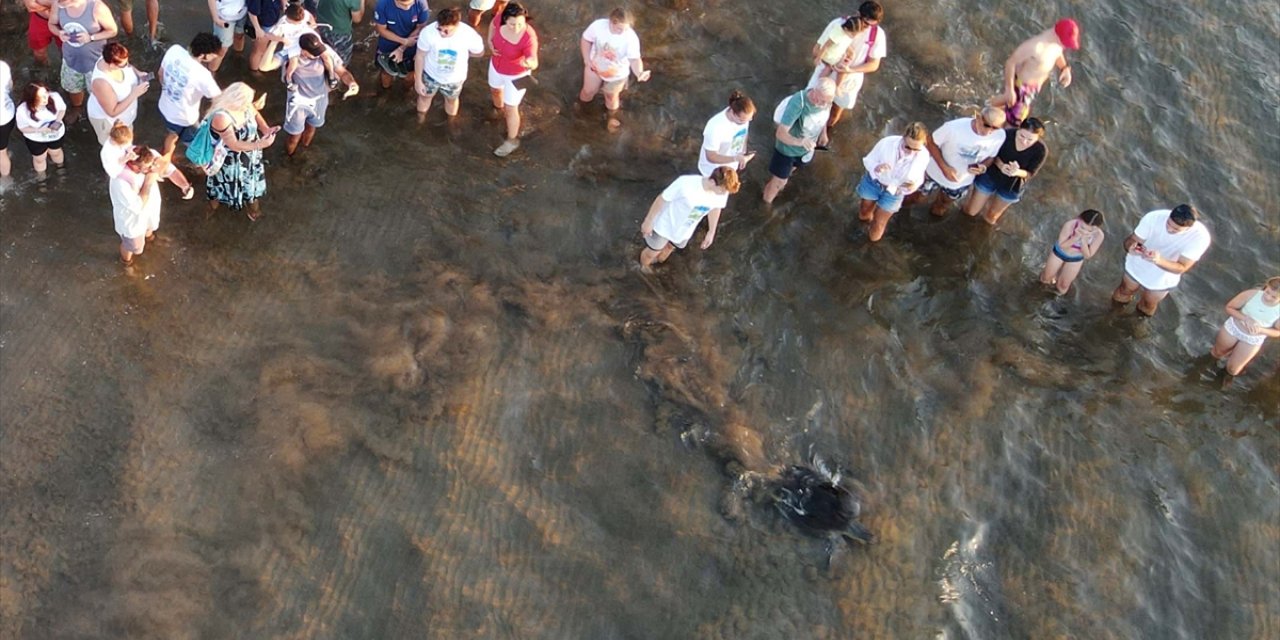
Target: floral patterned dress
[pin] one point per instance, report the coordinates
(242, 178)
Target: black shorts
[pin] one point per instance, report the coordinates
(781, 165)
(38, 148)
(5, 131)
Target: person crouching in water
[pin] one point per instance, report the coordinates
(676, 213)
(135, 202)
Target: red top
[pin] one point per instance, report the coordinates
(508, 56)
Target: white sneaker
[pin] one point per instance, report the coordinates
(506, 148)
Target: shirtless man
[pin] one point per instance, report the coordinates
(1028, 67)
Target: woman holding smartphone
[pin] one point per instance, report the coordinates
(39, 119)
(238, 125)
(114, 90)
(515, 55)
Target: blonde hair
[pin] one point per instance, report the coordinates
(916, 131)
(120, 133)
(236, 98)
(1272, 283)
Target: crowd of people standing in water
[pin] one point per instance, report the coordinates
(982, 163)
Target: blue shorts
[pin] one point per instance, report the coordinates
(300, 112)
(986, 185)
(186, 133)
(227, 35)
(871, 189)
(781, 165)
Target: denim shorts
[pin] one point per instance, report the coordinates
(986, 185)
(186, 133)
(227, 35)
(871, 189)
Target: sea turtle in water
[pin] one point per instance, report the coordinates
(815, 501)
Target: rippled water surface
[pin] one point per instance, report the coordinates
(428, 395)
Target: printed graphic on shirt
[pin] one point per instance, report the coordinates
(446, 61)
(607, 61)
(73, 28)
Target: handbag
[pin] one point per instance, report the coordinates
(204, 151)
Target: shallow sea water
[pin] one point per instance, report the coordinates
(429, 395)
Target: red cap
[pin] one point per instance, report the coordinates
(1068, 32)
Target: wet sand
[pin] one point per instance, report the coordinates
(428, 395)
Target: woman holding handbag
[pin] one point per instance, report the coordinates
(237, 126)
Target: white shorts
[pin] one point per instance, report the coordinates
(1239, 334)
(483, 5)
(511, 96)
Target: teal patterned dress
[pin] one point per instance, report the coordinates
(242, 178)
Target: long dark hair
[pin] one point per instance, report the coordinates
(513, 10)
(29, 97)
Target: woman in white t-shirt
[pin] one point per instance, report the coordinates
(114, 90)
(724, 139)
(7, 117)
(39, 118)
(610, 54)
(677, 211)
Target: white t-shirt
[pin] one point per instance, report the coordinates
(1191, 243)
(722, 136)
(612, 52)
(232, 10)
(6, 93)
(687, 203)
(133, 219)
(112, 156)
(854, 47)
(291, 33)
(858, 50)
(43, 117)
(961, 147)
(446, 58)
(186, 81)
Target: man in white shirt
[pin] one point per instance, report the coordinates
(1165, 245)
(441, 63)
(610, 54)
(959, 151)
(185, 80)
